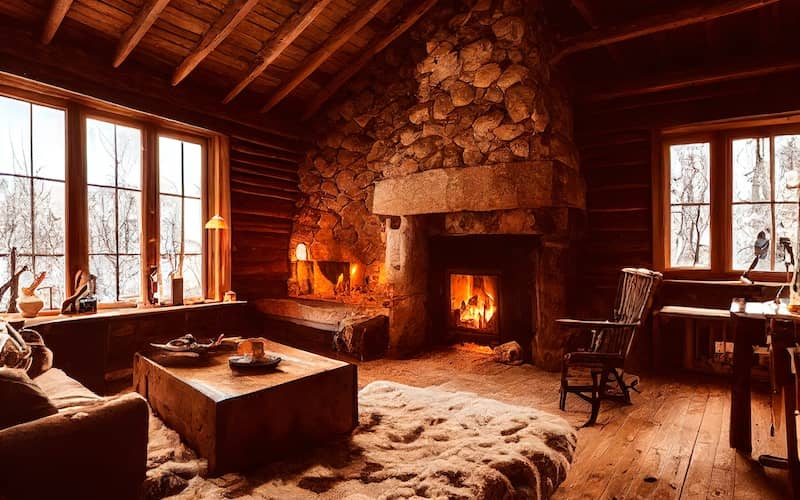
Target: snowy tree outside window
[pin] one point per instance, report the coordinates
(114, 171)
(180, 167)
(32, 188)
(690, 205)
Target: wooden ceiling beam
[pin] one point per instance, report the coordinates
(234, 14)
(655, 24)
(137, 29)
(590, 18)
(365, 11)
(283, 37)
(693, 79)
(57, 13)
(376, 45)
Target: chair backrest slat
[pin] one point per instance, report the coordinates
(635, 292)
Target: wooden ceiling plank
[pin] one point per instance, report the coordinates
(655, 24)
(343, 32)
(590, 18)
(137, 29)
(234, 14)
(57, 13)
(695, 79)
(281, 39)
(373, 47)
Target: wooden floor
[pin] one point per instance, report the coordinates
(672, 442)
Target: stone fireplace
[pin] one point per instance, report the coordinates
(445, 181)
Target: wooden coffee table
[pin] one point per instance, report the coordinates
(237, 420)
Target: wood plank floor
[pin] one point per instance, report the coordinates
(672, 442)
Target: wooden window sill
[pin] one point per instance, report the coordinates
(110, 313)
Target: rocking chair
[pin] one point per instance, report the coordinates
(606, 344)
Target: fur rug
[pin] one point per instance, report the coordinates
(410, 443)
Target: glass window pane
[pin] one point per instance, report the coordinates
(54, 281)
(787, 167)
(129, 156)
(168, 265)
(129, 277)
(748, 221)
(786, 215)
(192, 169)
(193, 228)
(15, 214)
(169, 165)
(48, 203)
(15, 136)
(105, 268)
(193, 277)
(689, 173)
(751, 169)
(49, 143)
(129, 215)
(100, 164)
(690, 238)
(102, 224)
(170, 225)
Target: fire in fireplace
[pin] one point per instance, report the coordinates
(474, 302)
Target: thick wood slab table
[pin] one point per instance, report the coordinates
(237, 420)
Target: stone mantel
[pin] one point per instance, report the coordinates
(504, 186)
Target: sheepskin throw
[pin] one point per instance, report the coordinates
(410, 443)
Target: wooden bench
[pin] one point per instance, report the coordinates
(689, 315)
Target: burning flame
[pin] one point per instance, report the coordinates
(474, 299)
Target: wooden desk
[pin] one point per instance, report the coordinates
(689, 315)
(749, 329)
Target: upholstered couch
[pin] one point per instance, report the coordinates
(92, 448)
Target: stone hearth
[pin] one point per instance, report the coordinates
(459, 128)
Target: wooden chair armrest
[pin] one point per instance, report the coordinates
(580, 323)
(593, 357)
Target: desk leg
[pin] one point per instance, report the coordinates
(740, 436)
(789, 403)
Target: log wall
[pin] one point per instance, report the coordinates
(263, 194)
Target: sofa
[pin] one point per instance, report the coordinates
(93, 447)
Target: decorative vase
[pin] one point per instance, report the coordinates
(30, 305)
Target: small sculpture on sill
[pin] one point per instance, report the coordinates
(83, 300)
(30, 304)
(13, 282)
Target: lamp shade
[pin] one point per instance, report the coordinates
(216, 222)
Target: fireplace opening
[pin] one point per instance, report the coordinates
(474, 302)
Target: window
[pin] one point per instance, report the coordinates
(180, 179)
(113, 172)
(32, 187)
(726, 192)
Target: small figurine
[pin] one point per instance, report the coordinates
(12, 283)
(83, 300)
(30, 304)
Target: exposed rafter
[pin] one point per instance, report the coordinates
(663, 83)
(365, 11)
(57, 13)
(141, 23)
(282, 38)
(589, 16)
(234, 13)
(375, 46)
(654, 24)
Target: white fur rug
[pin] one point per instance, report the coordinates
(410, 443)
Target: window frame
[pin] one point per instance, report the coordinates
(720, 136)
(77, 110)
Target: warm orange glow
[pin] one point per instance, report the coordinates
(353, 269)
(473, 300)
(472, 347)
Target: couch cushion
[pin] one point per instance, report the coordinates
(22, 399)
(64, 392)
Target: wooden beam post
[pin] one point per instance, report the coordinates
(365, 11)
(654, 24)
(375, 46)
(137, 29)
(284, 36)
(234, 14)
(57, 13)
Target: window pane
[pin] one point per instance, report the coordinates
(690, 238)
(15, 136)
(170, 225)
(128, 220)
(193, 228)
(751, 169)
(54, 266)
(100, 165)
(102, 224)
(689, 173)
(748, 221)
(785, 226)
(49, 148)
(15, 214)
(48, 203)
(129, 156)
(192, 169)
(105, 268)
(787, 167)
(193, 277)
(169, 165)
(129, 277)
